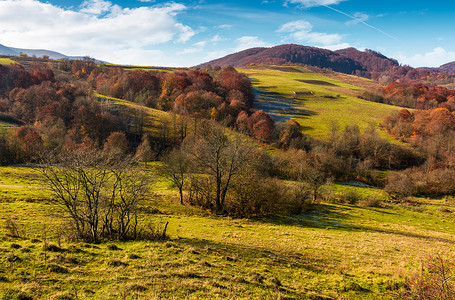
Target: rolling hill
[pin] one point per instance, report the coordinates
(314, 100)
(448, 67)
(371, 61)
(368, 63)
(290, 54)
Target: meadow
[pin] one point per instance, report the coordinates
(355, 243)
(320, 100)
(334, 251)
(6, 61)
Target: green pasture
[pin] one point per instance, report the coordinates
(147, 120)
(321, 100)
(334, 251)
(7, 61)
(4, 126)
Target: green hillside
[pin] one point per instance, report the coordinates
(6, 61)
(332, 252)
(316, 100)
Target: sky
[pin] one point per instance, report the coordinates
(189, 32)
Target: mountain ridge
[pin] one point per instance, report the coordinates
(11, 51)
(368, 63)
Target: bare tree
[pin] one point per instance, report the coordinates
(100, 194)
(176, 166)
(218, 156)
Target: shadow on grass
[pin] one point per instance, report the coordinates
(326, 216)
(280, 108)
(250, 255)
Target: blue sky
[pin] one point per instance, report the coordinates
(189, 32)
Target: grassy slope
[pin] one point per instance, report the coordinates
(7, 61)
(345, 109)
(4, 126)
(341, 251)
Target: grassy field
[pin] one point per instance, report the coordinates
(319, 100)
(4, 126)
(6, 61)
(334, 251)
(152, 121)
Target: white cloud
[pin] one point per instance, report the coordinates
(302, 31)
(337, 46)
(314, 3)
(96, 7)
(225, 26)
(358, 18)
(216, 38)
(200, 44)
(247, 42)
(99, 28)
(215, 54)
(189, 51)
(435, 58)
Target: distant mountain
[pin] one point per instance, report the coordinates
(40, 53)
(10, 51)
(7, 51)
(294, 54)
(449, 68)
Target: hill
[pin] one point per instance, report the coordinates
(313, 99)
(448, 68)
(372, 61)
(290, 54)
(10, 51)
(368, 63)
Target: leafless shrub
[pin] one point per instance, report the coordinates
(14, 229)
(100, 193)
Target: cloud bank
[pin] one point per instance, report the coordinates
(97, 28)
(435, 58)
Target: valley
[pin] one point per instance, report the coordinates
(326, 194)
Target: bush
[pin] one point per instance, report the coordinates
(350, 197)
(371, 202)
(434, 280)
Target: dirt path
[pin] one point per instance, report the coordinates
(21, 186)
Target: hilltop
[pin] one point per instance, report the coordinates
(368, 63)
(290, 54)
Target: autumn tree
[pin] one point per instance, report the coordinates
(144, 152)
(116, 145)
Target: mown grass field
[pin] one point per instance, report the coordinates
(321, 100)
(334, 251)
